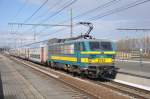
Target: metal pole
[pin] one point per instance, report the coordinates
(141, 50)
(34, 34)
(71, 24)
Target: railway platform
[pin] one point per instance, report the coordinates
(133, 67)
(21, 79)
(20, 82)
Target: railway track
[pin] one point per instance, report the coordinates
(128, 90)
(99, 89)
(131, 74)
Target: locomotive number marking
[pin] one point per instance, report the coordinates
(101, 60)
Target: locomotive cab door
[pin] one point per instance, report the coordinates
(79, 46)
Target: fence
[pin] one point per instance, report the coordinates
(134, 54)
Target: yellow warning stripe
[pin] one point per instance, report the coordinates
(83, 60)
(91, 52)
(97, 60)
(64, 58)
(97, 52)
(110, 52)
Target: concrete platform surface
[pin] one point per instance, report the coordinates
(133, 73)
(20, 82)
(134, 67)
(139, 82)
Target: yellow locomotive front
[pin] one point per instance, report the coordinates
(99, 58)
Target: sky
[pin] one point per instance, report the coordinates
(18, 11)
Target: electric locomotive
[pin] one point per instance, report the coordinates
(83, 55)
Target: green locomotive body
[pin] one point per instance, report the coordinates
(91, 57)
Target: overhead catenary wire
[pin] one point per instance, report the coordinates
(58, 2)
(50, 8)
(54, 14)
(17, 14)
(136, 3)
(126, 7)
(55, 32)
(134, 29)
(60, 10)
(43, 4)
(66, 5)
(100, 7)
(20, 9)
(31, 24)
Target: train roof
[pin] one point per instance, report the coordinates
(92, 40)
(60, 41)
(79, 40)
(55, 40)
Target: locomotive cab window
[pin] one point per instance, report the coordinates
(106, 46)
(79, 46)
(94, 45)
(100, 46)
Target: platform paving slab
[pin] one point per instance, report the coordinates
(20, 82)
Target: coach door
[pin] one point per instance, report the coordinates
(28, 53)
(42, 54)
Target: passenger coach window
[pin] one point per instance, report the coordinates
(62, 49)
(69, 49)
